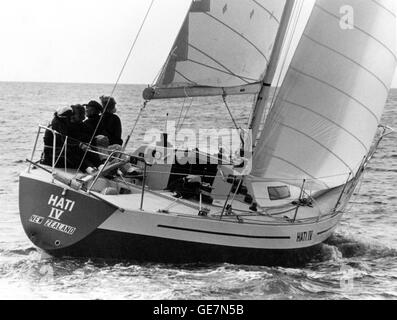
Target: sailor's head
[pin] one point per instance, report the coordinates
(93, 108)
(78, 113)
(109, 104)
(64, 113)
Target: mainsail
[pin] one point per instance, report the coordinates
(224, 47)
(328, 109)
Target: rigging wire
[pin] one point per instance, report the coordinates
(230, 112)
(180, 115)
(117, 83)
(185, 116)
(238, 128)
(102, 151)
(135, 125)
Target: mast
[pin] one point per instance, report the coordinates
(264, 94)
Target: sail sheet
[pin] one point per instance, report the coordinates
(222, 44)
(326, 114)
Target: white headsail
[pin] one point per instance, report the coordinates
(331, 102)
(224, 46)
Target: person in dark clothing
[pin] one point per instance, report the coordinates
(68, 123)
(81, 136)
(77, 129)
(111, 124)
(93, 113)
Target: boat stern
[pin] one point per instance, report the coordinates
(55, 217)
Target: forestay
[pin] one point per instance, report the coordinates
(224, 46)
(331, 102)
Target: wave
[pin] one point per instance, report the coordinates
(19, 252)
(382, 170)
(350, 248)
(23, 252)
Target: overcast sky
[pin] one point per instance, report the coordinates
(88, 40)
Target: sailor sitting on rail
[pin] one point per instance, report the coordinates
(69, 154)
(93, 113)
(110, 125)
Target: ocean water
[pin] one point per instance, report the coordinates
(358, 262)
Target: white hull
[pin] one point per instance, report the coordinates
(222, 233)
(128, 233)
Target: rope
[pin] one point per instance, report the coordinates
(185, 117)
(117, 81)
(135, 125)
(230, 112)
(355, 194)
(180, 115)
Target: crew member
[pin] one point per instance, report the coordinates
(93, 112)
(78, 130)
(111, 124)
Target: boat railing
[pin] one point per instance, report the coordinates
(353, 178)
(54, 144)
(119, 157)
(56, 156)
(384, 132)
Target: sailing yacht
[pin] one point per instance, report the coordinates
(273, 205)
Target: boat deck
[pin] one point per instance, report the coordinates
(164, 202)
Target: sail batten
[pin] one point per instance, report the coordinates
(366, 149)
(350, 59)
(240, 35)
(392, 52)
(320, 144)
(367, 108)
(328, 109)
(268, 11)
(222, 44)
(226, 71)
(385, 7)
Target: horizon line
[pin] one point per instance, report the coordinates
(87, 83)
(71, 82)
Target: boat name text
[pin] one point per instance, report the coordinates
(304, 236)
(59, 206)
(51, 224)
(36, 219)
